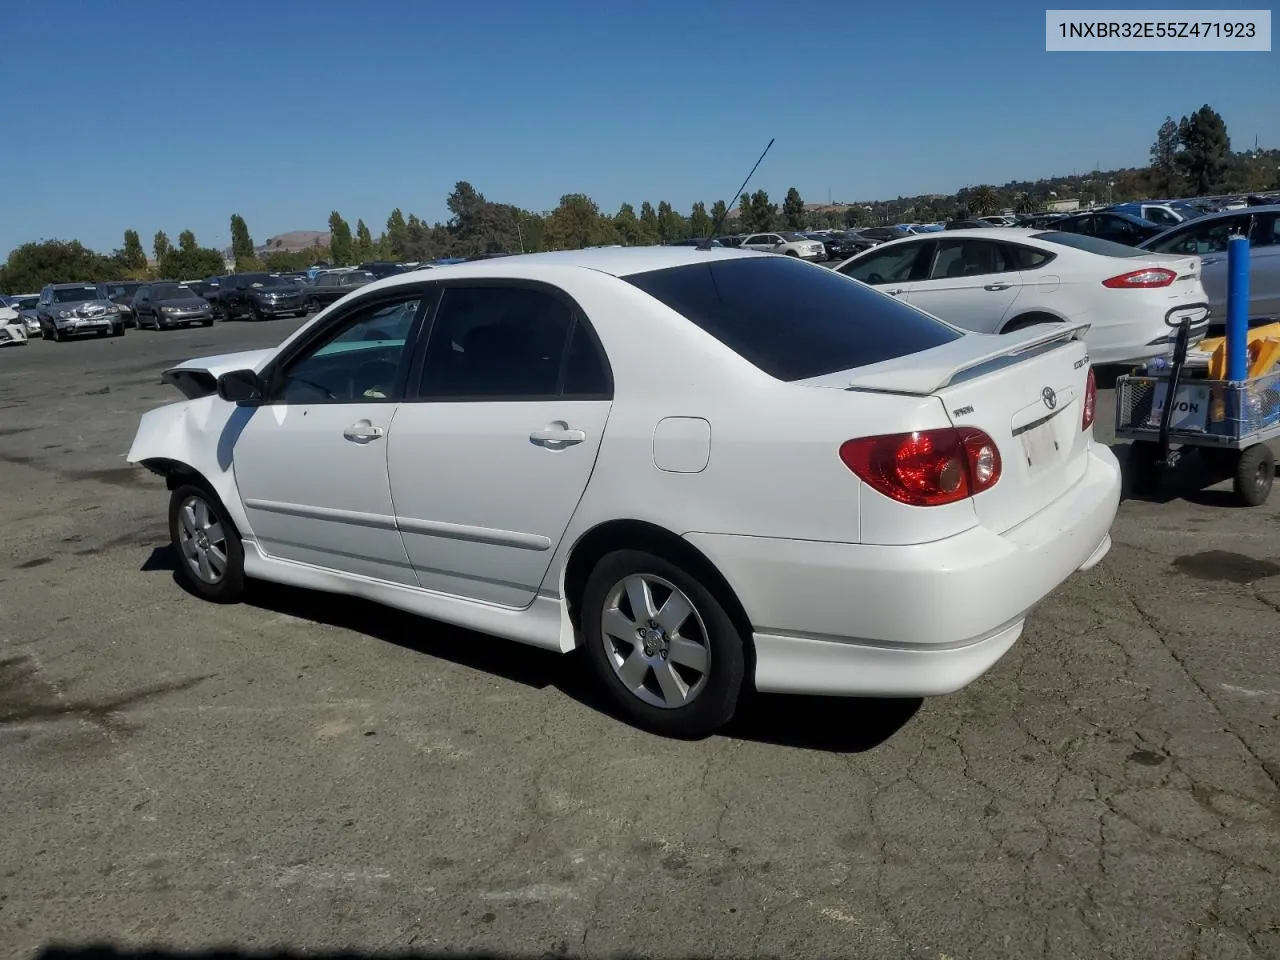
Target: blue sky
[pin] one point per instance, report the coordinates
(145, 115)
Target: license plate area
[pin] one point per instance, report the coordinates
(1043, 445)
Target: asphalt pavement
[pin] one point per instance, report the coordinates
(303, 773)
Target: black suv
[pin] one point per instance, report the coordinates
(260, 296)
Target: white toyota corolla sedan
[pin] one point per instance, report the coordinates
(710, 468)
(1003, 279)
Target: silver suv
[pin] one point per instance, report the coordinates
(69, 309)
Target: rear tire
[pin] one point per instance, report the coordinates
(1255, 474)
(1144, 467)
(681, 677)
(206, 544)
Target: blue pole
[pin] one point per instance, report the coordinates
(1237, 308)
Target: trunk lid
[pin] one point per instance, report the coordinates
(1025, 390)
(1032, 409)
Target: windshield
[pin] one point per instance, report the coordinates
(172, 291)
(793, 320)
(265, 280)
(120, 289)
(76, 294)
(361, 276)
(1089, 244)
(24, 303)
(793, 237)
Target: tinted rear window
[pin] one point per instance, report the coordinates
(791, 319)
(1090, 244)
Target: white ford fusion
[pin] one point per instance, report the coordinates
(710, 468)
(1004, 279)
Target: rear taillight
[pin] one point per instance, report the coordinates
(1090, 401)
(927, 468)
(1142, 279)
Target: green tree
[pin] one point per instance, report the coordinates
(32, 265)
(1165, 177)
(671, 226)
(700, 221)
(984, 201)
(241, 243)
(191, 263)
(1206, 150)
(363, 244)
(187, 241)
(340, 245)
(793, 210)
(626, 225)
(648, 224)
(719, 215)
(576, 223)
(763, 213)
(133, 256)
(1027, 203)
(397, 235)
(160, 245)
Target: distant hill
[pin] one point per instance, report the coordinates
(295, 240)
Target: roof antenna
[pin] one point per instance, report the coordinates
(715, 227)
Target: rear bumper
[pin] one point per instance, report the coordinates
(864, 620)
(1144, 333)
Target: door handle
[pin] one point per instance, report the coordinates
(362, 431)
(896, 293)
(997, 286)
(558, 433)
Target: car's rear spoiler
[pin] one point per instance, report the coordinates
(962, 359)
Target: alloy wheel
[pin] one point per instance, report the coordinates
(656, 641)
(202, 539)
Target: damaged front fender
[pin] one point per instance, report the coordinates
(195, 437)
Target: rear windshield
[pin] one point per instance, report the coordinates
(791, 319)
(1089, 244)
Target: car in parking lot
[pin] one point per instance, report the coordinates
(258, 296)
(121, 292)
(165, 304)
(711, 468)
(13, 332)
(1121, 228)
(787, 243)
(74, 309)
(1001, 279)
(1207, 237)
(25, 304)
(333, 285)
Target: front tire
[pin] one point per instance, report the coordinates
(210, 554)
(662, 644)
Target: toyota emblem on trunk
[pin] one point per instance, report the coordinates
(1049, 397)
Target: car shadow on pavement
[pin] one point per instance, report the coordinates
(835, 724)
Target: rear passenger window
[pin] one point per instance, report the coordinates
(586, 372)
(509, 343)
(967, 257)
(1025, 258)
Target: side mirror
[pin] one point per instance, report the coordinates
(242, 387)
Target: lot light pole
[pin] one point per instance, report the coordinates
(520, 233)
